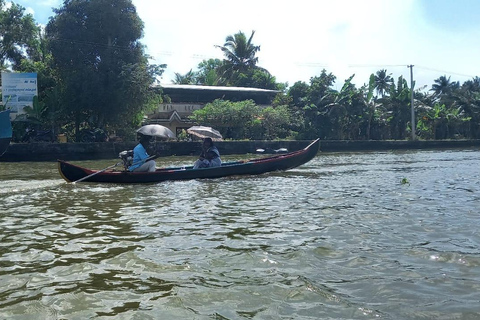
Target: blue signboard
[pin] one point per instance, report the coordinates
(18, 90)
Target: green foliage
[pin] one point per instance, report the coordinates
(312, 100)
(100, 61)
(183, 136)
(18, 35)
(244, 119)
(37, 110)
(188, 78)
(441, 122)
(231, 118)
(398, 110)
(208, 72)
(239, 55)
(275, 122)
(468, 101)
(239, 68)
(255, 78)
(382, 82)
(92, 71)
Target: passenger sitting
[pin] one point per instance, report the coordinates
(140, 155)
(210, 157)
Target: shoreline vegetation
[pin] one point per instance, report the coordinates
(108, 83)
(20, 152)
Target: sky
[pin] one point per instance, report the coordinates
(299, 38)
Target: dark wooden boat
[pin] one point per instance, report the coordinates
(5, 131)
(74, 173)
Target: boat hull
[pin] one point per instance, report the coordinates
(72, 173)
(5, 131)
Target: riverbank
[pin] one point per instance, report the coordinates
(17, 152)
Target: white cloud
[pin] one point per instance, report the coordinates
(298, 39)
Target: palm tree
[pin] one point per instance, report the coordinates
(397, 104)
(240, 55)
(208, 72)
(443, 86)
(383, 81)
(337, 110)
(469, 102)
(370, 103)
(445, 91)
(188, 78)
(472, 85)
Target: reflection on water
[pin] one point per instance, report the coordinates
(340, 237)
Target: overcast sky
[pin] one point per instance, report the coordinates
(300, 38)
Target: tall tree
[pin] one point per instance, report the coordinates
(383, 81)
(443, 86)
(469, 103)
(397, 104)
(240, 57)
(187, 78)
(370, 103)
(208, 72)
(472, 85)
(18, 35)
(100, 60)
(445, 90)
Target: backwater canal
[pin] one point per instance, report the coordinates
(377, 235)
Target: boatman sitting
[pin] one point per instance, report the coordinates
(210, 156)
(140, 155)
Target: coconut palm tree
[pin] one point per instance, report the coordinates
(239, 55)
(187, 78)
(472, 85)
(469, 102)
(445, 90)
(443, 86)
(383, 81)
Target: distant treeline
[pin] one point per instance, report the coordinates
(93, 72)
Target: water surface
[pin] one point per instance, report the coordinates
(390, 235)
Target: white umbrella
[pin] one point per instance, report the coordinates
(156, 130)
(205, 132)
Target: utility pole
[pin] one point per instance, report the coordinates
(411, 102)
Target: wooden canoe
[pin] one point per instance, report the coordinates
(73, 173)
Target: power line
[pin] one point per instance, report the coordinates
(197, 56)
(375, 65)
(445, 72)
(403, 65)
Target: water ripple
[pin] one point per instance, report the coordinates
(350, 236)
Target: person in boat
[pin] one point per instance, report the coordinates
(140, 155)
(210, 156)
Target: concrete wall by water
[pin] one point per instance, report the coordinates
(110, 150)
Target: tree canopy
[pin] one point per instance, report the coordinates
(100, 61)
(93, 71)
(18, 35)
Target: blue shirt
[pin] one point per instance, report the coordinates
(139, 156)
